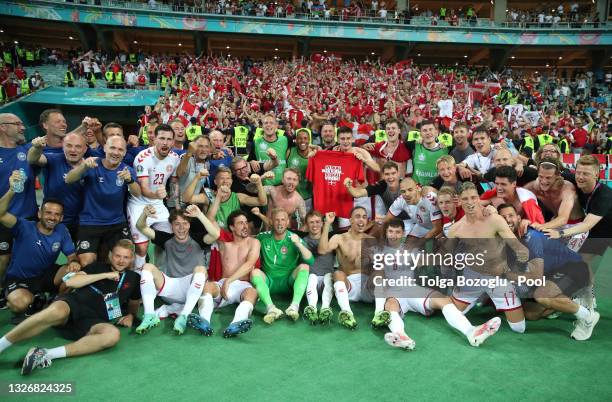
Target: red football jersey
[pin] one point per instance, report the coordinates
(327, 171)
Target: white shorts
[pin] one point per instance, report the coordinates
(357, 292)
(160, 222)
(505, 298)
(174, 290)
(416, 304)
(575, 242)
(234, 293)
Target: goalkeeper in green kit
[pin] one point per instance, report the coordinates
(285, 265)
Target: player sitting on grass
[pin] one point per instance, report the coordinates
(422, 300)
(350, 280)
(239, 254)
(281, 270)
(105, 293)
(184, 267)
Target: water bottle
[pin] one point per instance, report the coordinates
(209, 193)
(19, 186)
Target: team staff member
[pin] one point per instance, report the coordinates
(106, 183)
(85, 315)
(57, 166)
(37, 246)
(595, 198)
(23, 205)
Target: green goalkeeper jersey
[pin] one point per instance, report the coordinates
(280, 257)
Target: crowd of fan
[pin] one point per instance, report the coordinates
(14, 79)
(546, 16)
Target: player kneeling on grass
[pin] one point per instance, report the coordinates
(350, 280)
(281, 270)
(104, 293)
(239, 254)
(422, 300)
(182, 281)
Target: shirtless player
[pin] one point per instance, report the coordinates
(422, 300)
(482, 233)
(559, 197)
(286, 196)
(350, 280)
(238, 258)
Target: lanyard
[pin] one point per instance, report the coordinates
(95, 289)
(586, 207)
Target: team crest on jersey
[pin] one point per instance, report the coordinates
(119, 181)
(295, 162)
(422, 157)
(55, 246)
(169, 168)
(4, 246)
(139, 169)
(21, 156)
(283, 250)
(84, 245)
(263, 146)
(422, 208)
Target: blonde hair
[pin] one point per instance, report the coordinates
(446, 159)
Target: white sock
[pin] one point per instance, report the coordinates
(4, 344)
(312, 296)
(518, 326)
(583, 313)
(294, 306)
(243, 311)
(456, 319)
(206, 306)
(396, 325)
(194, 292)
(379, 304)
(148, 292)
(57, 353)
(328, 291)
(342, 296)
(139, 261)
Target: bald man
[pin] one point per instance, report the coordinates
(13, 156)
(56, 167)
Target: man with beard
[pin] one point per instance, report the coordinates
(424, 218)
(297, 158)
(37, 245)
(461, 146)
(563, 272)
(23, 205)
(285, 262)
(329, 138)
(58, 166)
(595, 198)
(286, 197)
(393, 149)
(154, 167)
(184, 270)
(83, 316)
(238, 258)
(192, 162)
(559, 197)
(425, 154)
(105, 183)
(350, 280)
(54, 125)
(220, 156)
(421, 300)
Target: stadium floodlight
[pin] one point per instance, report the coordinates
(276, 49)
(180, 44)
(71, 38)
(227, 47)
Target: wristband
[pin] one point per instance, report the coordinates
(68, 276)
